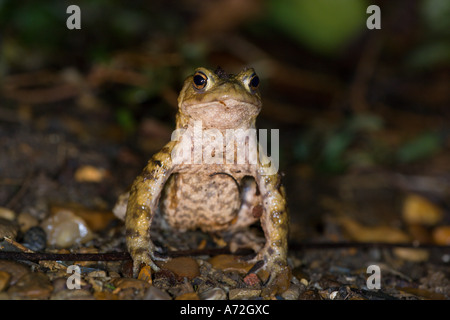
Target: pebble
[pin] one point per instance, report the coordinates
(8, 229)
(15, 269)
(251, 279)
(35, 239)
(310, 295)
(26, 221)
(359, 232)
(154, 293)
(64, 230)
(79, 294)
(229, 263)
(182, 267)
(90, 174)
(292, 293)
(34, 285)
(105, 295)
(417, 209)
(419, 233)
(4, 280)
(181, 289)
(441, 235)
(411, 254)
(145, 274)
(188, 296)
(124, 283)
(213, 294)
(96, 220)
(243, 294)
(7, 214)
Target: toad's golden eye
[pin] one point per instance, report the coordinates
(199, 80)
(254, 82)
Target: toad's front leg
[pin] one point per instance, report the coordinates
(142, 204)
(275, 223)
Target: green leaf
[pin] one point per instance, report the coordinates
(420, 147)
(324, 26)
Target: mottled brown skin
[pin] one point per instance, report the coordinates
(212, 197)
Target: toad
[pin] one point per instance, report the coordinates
(211, 188)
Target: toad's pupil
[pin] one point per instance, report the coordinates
(254, 83)
(199, 81)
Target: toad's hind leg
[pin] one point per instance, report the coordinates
(239, 235)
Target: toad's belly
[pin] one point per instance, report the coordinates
(192, 201)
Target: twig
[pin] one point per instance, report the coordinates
(124, 256)
(364, 245)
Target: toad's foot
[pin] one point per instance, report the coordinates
(274, 272)
(145, 257)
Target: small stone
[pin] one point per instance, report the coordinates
(412, 254)
(310, 295)
(213, 294)
(120, 208)
(26, 221)
(292, 293)
(96, 220)
(145, 274)
(97, 274)
(243, 294)
(418, 209)
(78, 294)
(441, 235)
(181, 289)
(64, 230)
(90, 174)
(4, 280)
(125, 283)
(34, 285)
(35, 239)
(59, 284)
(188, 296)
(229, 263)
(361, 233)
(153, 293)
(182, 267)
(251, 279)
(7, 214)
(8, 229)
(105, 295)
(129, 288)
(15, 269)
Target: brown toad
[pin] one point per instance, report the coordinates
(206, 188)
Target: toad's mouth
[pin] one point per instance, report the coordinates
(224, 113)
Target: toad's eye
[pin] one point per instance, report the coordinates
(254, 82)
(199, 80)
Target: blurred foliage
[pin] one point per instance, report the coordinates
(34, 36)
(106, 26)
(327, 145)
(434, 50)
(424, 145)
(325, 26)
